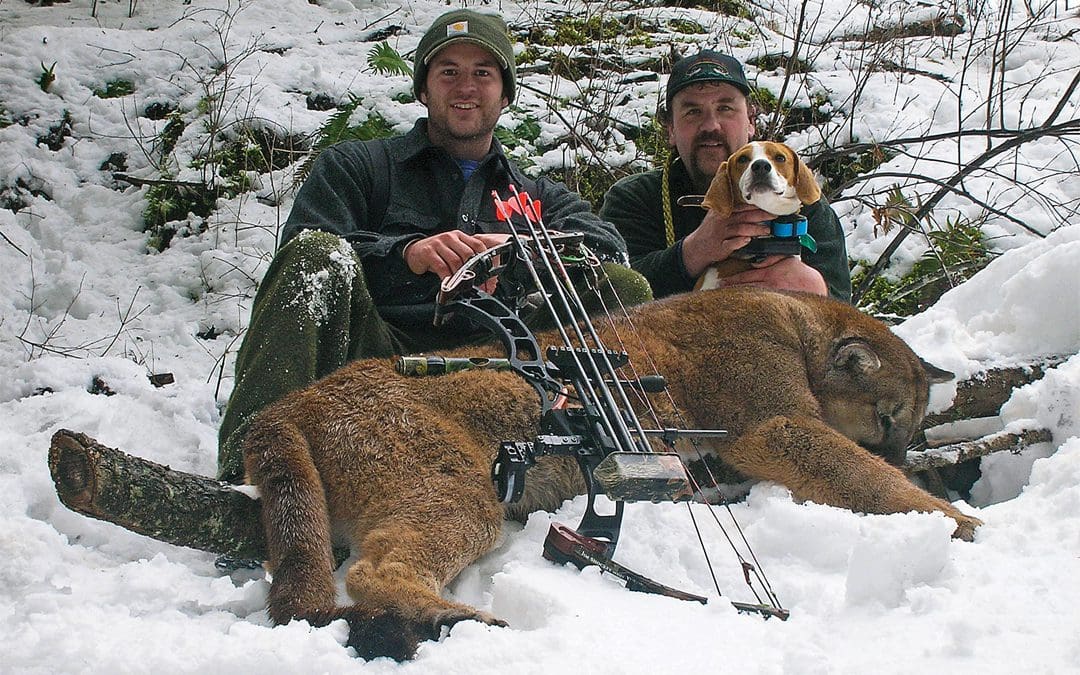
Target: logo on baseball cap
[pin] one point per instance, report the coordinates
(706, 66)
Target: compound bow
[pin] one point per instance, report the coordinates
(601, 431)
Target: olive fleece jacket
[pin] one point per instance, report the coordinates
(338, 288)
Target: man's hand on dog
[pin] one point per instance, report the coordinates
(780, 273)
(717, 238)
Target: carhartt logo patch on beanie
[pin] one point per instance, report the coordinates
(465, 25)
(459, 28)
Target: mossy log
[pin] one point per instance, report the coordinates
(145, 497)
(206, 514)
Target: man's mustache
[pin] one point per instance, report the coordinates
(712, 137)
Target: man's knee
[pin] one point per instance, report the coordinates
(631, 287)
(315, 249)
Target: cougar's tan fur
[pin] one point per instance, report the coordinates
(400, 467)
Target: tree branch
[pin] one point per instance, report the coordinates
(1009, 144)
(956, 453)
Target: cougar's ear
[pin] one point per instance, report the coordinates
(855, 356)
(934, 374)
(806, 186)
(721, 194)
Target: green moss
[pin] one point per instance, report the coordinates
(115, 89)
(252, 148)
(170, 202)
(530, 54)
(653, 141)
(687, 27)
(735, 8)
(838, 170)
(763, 99)
(744, 35)
(792, 118)
(780, 62)
(574, 31)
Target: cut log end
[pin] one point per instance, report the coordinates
(71, 462)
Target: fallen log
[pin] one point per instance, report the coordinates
(151, 499)
(984, 394)
(955, 453)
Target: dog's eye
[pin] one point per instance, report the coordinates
(780, 159)
(742, 159)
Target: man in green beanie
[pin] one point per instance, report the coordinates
(377, 225)
(708, 116)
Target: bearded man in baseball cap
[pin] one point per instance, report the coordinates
(708, 115)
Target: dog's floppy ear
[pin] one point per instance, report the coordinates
(721, 194)
(806, 186)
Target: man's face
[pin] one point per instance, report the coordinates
(463, 93)
(709, 121)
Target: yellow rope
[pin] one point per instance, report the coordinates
(665, 191)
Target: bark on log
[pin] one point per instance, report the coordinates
(955, 453)
(203, 513)
(150, 499)
(983, 395)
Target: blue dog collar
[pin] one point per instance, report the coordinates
(793, 227)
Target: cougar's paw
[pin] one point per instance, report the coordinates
(385, 634)
(449, 617)
(965, 527)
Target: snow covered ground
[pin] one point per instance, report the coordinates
(81, 298)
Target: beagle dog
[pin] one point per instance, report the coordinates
(768, 175)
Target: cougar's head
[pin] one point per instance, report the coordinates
(875, 392)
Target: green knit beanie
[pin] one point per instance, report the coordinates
(465, 25)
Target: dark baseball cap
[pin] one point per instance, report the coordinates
(706, 66)
(464, 25)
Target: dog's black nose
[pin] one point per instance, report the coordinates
(761, 166)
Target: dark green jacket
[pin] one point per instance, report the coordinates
(635, 205)
(428, 195)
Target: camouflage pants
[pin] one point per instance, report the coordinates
(313, 314)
